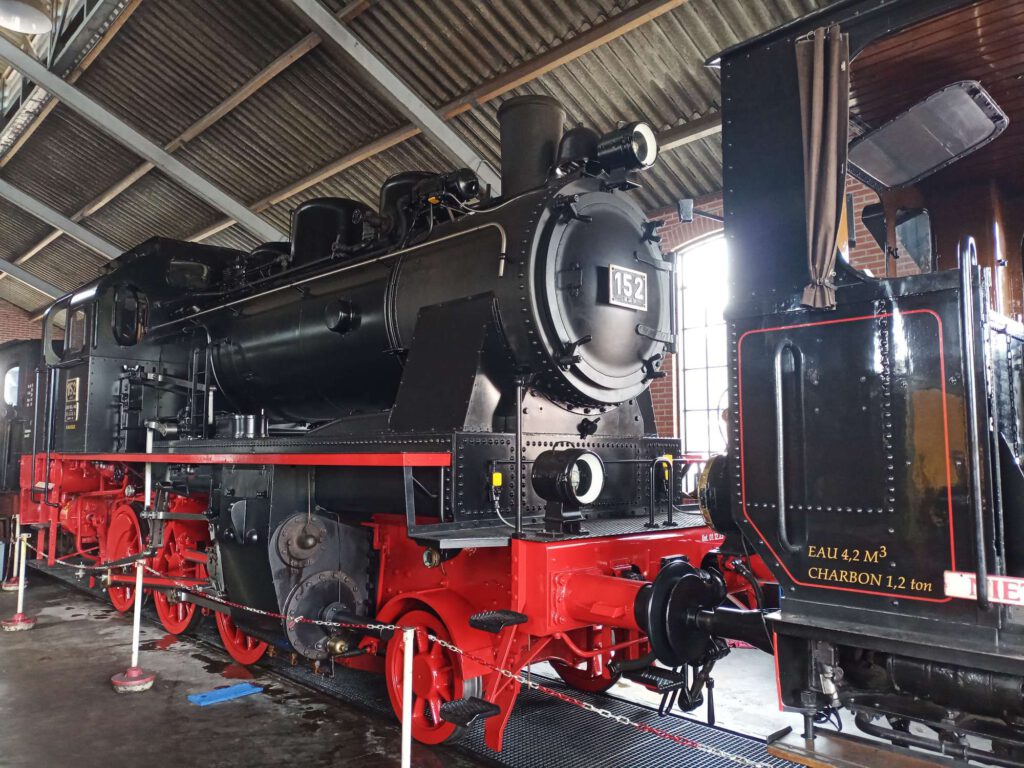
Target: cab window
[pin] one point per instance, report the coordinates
(131, 310)
(76, 332)
(54, 328)
(65, 331)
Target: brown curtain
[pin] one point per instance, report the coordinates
(823, 69)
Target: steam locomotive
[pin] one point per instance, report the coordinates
(435, 415)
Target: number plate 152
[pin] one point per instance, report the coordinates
(627, 288)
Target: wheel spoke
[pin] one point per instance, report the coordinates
(444, 690)
(419, 710)
(434, 703)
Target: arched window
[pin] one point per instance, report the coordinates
(702, 361)
(11, 386)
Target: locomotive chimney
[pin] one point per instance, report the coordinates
(531, 128)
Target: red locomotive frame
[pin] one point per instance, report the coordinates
(576, 595)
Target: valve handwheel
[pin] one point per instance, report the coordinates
(242, 647)
(178, 616)
(436, 674)
(124, 539)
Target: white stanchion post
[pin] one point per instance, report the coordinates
(137, 619)
(19, 621)
(16, 570)
(12, 583)
(22, 541)
(135, 679)
(408, 642)
(148, 477)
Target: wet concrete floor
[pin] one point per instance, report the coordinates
(57, 708)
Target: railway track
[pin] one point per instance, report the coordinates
(543, 730)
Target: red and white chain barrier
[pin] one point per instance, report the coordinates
(408, 635)
(134, 679)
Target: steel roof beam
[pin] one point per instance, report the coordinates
(235, 100)
(22, 275)
(57, 220)
(405, 98)
(72, 77)
(687, 133)
(131, 138)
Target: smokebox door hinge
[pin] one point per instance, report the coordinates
(657, 335)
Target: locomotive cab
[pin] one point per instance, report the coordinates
(105, 378)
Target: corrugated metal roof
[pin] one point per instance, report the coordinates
(65, 263)
(653, 73)
(20, 231)
(67, 162)
(314, 112)
(21, 295)
(175, 61)
(172, 63)
(365, 181)
(153, 206)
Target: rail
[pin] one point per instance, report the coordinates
(780, 444)
(967, 255)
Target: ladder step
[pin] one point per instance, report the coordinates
(495, 621)
(657, 679)
(465, 712)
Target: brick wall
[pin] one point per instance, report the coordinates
(865, 254)
(16, 323)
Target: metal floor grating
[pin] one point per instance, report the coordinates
(542, 731)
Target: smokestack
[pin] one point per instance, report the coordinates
(531, 128)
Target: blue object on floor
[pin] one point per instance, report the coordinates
(224, 694)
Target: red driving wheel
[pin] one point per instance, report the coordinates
(436, 675)
(178, 616)
(243, 648)
(124, 539)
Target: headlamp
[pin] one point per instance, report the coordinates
(633, 147)
(574, 476)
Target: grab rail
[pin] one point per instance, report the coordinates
(967, 255)
(780, 447)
